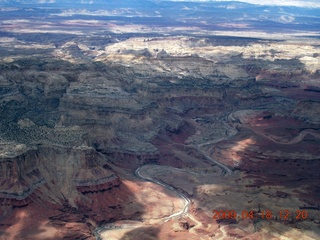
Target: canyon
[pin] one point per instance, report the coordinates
(142, 136)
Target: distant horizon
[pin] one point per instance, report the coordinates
(288, 3)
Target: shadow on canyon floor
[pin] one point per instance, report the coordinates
(270, 175)
(146, 233)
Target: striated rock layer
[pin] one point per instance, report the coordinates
(59, 178)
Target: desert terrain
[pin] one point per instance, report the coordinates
(117, 130)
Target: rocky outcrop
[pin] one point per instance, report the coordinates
(67, 181)
(59, 172)
(20, 178)
(308, 111)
